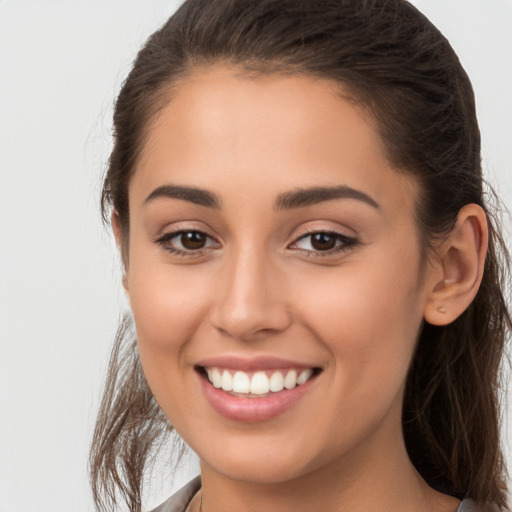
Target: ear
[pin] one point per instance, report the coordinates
(460, 267)
(116, 228)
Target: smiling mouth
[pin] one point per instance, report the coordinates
(257, 384)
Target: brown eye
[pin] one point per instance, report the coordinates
(187, 242)
(193, 240)
(323, 241)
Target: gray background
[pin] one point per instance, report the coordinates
(61, 65)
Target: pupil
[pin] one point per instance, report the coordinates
(323, 241)
(193, 240)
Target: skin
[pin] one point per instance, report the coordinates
(259, 287)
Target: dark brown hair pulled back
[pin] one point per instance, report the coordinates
(394, 63)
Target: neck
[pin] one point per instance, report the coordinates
(366, 479)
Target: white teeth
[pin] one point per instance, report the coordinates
(259, 384)
(216, 378)
(304, 376)
(290, 381)
(241, 383)
(227, 381)
(276, 382)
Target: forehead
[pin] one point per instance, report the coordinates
(222, 125)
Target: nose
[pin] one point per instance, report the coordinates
(251, 299)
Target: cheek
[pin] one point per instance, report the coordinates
(368, 316)
(168, 304)
(166, 300)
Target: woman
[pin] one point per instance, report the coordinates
(314, 276)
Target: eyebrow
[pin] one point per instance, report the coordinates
(299, 198)
(191, 194)
(309, 196)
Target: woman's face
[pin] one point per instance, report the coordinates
(271, 240)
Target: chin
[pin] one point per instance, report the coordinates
(273, 470)
(261, 462)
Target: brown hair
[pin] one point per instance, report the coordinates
(399, 67)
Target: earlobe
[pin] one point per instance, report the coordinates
(461, 262)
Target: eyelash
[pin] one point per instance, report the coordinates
(347, 243)
(164, 239)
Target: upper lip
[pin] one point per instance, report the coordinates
(253, 363)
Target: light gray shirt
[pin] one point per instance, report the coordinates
(179, 502)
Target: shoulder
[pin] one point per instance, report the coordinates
(179, 501)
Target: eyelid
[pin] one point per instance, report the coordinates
(343, 242)
(348, 242)
(164, 239)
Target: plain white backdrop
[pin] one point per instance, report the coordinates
(61, 65)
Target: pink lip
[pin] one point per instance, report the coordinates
(253, 410)
(253, 364)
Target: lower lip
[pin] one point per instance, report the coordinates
(253, 410)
